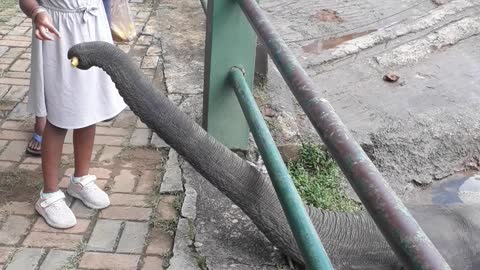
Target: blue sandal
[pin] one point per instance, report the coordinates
(37, 138)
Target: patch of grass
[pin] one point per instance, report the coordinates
(191, 230)
(74, 260)
(202, 262)
(19, 185)
(165, 225)
(178, 202)
(316, 178)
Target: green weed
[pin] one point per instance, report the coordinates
(316, 177)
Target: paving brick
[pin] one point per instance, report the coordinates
(182, 257)
(100, 173)
(7, 61)
(67, 149)
(124, 182)
(33, 160)
(140, 137)
(20, 112)
(15, 135)
(64, 182)
(128, 200)
(158, 142)
(42, 226)
(109, 153)
(17, 37)
(20, 65)
(81, 211)
(6, 165)
(125, 119)
(14, 81)
(25, 258)
(109, 140)
(126, 213)
(14, 228)
(14, 43)
(112, 131)
(3, 49)
(26, 56)
(3, 143)
(152, 263)
(95, 260)
(3, 68)
(18, 75)
(29, 167)
(124, 47)
(16, 93)
(139, 51)
(133, 237)
(14, 53)
(146, 182)
(140, 124)
(154, 50)
(150, 62)
(5, 253)
(6, 107)
(144, 40)
(4, 89)
(104, 235)
(165, 208)
(19, 30)
(56, 260)
(189, 206)
(14, 151)
(18, 125)
(172, 179)
(161, 242)
(52, 240)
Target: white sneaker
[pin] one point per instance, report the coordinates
(88, 192)
(55, 211)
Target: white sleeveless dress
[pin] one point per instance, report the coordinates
(69, 97)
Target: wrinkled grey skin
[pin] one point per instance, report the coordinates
(351, 240)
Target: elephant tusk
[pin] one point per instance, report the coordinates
(75, 62)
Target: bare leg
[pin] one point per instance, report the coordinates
(40, 123)
(52, 146)
(83, 146)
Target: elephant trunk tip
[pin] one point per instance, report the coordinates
(85, 55)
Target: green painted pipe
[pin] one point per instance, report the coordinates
(302, 228)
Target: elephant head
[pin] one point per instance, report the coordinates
(351, 239)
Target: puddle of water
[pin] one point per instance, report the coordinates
(318, 46)
(457, 189)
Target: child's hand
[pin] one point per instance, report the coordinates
(44, 26)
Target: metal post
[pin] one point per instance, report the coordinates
(407, 239)
(302, 228)
(230, 42)
(261, 60)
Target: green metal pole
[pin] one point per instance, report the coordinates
(302, 228)
(230, 41)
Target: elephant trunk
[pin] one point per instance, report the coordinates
(346, 237)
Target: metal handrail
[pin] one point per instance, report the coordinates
(403, 233)
(302, 228)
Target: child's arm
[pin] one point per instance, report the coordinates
(40, 17)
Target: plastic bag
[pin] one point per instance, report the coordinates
(122, 25)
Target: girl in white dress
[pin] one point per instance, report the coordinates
(70, 99)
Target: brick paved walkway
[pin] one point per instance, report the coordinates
(137, 231)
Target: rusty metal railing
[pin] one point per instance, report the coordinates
(403, 233)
